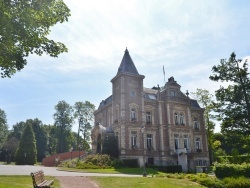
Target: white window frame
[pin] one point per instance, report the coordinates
(196, 123)
(176, 118)
(176, 142)
(185, 140)
(181, 119)
(133, 114)
(150, 140)
(197, 143)
(148, 117)
(133, 140)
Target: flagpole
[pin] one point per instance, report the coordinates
(164, 75)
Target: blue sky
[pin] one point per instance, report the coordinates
(187, 37)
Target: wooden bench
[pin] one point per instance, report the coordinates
(39, 181)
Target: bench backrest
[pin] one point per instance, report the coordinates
(37, 177)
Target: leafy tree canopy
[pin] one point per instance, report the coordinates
(233, 101)
(3, 127)
(24, 27)
(84, 112)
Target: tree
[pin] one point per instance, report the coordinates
(26, 153)
(41, 137)
(84, 112)
(24, 27)
(9, 148)
(17, 130)
(233, 101)
(3, 127)
(110, 146)
(63, 121)
(205, 99)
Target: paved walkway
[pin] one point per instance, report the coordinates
(50, 171)
(66, 179)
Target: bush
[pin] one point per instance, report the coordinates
(236, 160)
(131, 163)
(116, 163)
(98, 160)
(232, 170)
(240, 182)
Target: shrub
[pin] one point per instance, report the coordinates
(232, 170)
(240, 182)
(116, 163)
(230, 159)
(98, 160)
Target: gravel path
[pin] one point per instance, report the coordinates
(76, 182)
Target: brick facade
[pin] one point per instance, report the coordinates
(54, 160)
(171, 121)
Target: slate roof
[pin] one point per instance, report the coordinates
(150, 93)
(194, 103)
(127, 65)
(105, 102)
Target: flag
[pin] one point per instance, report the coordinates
(163, 70)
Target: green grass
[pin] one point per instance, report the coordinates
(138, 171)
(22, 182)
(121, 182)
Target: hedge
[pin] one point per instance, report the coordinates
(237, 160)
(232, 170)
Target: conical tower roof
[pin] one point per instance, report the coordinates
(127, 65)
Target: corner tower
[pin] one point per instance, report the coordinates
(127, 100)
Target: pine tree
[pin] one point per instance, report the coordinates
(26, 153)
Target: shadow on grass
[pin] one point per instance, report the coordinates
(136, 171)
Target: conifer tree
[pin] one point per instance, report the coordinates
(26, 153)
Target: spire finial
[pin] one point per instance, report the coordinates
(126, 51)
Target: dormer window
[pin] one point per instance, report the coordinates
(172, 93)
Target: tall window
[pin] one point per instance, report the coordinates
(185, 141)
(133, 114)
(198, 143)
(176, 118)
(176, 141)
(149, 141)
(181, 119)
(148, 118)
(196, 124)
(172, 93)
(133, 139)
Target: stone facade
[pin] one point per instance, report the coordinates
(160, 126)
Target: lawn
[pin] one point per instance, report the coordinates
(21, 182)
(106, 182)
(142, 182)
(138, 171)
